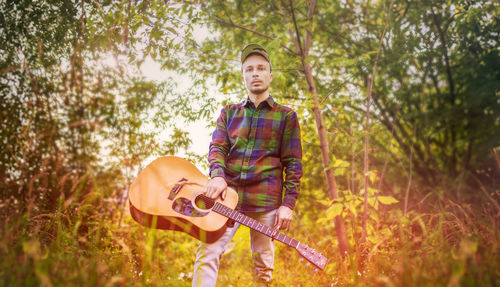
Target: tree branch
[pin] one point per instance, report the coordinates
(222, 22)
(310, 12)
(290, 32)
(301, 50)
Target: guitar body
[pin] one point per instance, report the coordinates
(163, 196)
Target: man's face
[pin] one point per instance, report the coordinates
(256, 74)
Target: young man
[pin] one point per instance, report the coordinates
(253, 143)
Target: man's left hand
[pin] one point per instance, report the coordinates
(283, 218)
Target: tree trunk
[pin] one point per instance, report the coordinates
(323, 139)
(303, 51)
(325, 152)
(367, 131)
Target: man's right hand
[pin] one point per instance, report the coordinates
(215, 187)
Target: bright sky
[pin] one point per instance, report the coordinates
(199, 134)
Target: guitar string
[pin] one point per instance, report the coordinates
(313, 256)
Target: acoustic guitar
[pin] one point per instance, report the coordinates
(167, 195)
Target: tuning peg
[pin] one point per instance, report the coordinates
(316, 269)
(308, 264)
(301, 259)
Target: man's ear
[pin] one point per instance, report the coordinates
(271, 77)
(243, 79)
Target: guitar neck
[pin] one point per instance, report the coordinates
(254, 224)
(308, 253)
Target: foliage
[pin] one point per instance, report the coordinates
(432, 93)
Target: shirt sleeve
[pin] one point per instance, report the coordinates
(291, 158)
(219, 147)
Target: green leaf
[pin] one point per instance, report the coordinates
(172, 30)
(334, 210)
(372, 175)
(387, 199)
(326, 202)
(353, 206)
(371, 202)
(372, 191)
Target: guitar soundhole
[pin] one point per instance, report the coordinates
(203, 202)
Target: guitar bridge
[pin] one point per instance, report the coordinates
(177, 187)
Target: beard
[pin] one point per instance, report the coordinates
(258, 90)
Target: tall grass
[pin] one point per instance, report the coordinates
(84, 243)
(85, 248)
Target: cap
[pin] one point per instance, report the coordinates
(254, 49)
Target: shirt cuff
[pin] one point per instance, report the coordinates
(289, 202)
(217, 172)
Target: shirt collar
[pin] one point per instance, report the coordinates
(270, 102)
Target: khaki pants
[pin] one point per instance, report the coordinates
(208, 256)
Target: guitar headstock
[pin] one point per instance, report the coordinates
(313, 256)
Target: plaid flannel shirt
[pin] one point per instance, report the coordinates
(252, 147)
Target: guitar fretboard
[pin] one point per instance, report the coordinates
(254, 224)
(308, 253)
